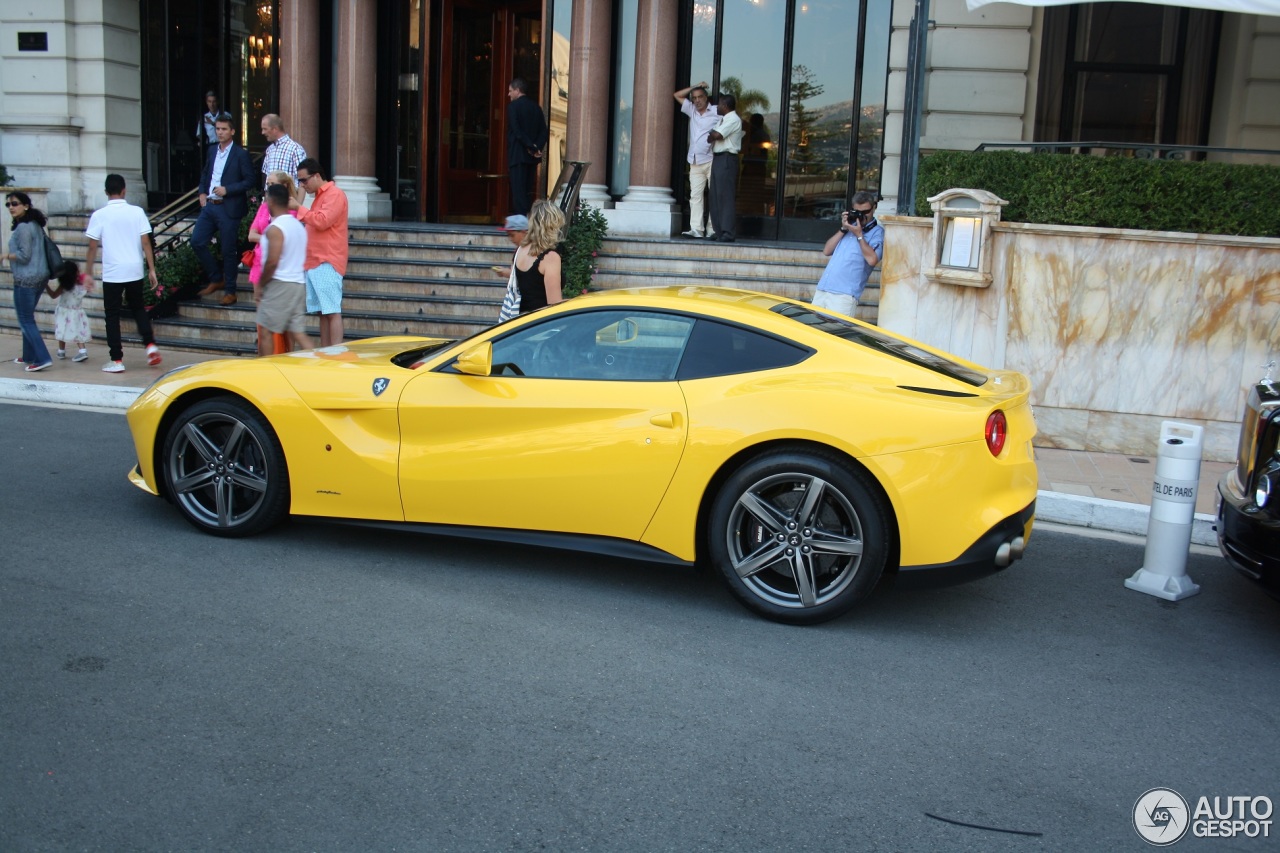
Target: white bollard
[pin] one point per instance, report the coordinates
(1173, 509)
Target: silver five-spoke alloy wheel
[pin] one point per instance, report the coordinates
(798, 537)
(224, 469)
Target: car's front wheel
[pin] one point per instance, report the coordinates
(799, 537)
(223, 467)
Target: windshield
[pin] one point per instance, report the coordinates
(881, 342)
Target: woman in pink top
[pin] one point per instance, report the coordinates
(261, 221)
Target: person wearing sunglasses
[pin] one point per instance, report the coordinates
(854, 250)
(30, 275)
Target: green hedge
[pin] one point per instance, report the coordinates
(1113, 192)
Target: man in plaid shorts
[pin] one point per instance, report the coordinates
(326, 263)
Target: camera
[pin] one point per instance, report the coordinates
(856, 215)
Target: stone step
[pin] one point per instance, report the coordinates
(439, 280)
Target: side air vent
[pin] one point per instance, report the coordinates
(940, 392)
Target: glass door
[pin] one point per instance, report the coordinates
(484, 46)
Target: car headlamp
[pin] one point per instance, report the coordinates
(1267, 483)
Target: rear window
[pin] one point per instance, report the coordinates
(880, 342)
(719, 349)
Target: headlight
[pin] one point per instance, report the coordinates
(1267, 483)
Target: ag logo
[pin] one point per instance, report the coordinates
(1161, 816)
(379, 385)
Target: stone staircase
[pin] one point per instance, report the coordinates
(440, 280)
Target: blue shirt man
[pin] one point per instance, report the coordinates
(855, 250)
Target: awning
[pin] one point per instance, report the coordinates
(1247, 7)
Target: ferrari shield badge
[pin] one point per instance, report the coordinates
(379, 385)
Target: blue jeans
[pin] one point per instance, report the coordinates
(24, 305)
(214, 219)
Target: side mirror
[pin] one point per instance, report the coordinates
(628, 331)
(477, 361)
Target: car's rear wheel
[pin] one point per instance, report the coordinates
(223, 467)
(799, 537)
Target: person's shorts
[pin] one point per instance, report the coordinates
(283, 307)
(324, 290)
(841, 303)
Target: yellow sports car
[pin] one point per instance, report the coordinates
(802, 454)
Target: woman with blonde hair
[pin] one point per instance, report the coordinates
(537, 260)
(261, 221)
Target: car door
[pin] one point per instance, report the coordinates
(578, 428)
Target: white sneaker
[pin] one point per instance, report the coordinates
(153, 355)
(113, 367)
(83, 355)
(62, 354)
(697, 235)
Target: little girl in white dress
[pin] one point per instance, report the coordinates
(69, 320)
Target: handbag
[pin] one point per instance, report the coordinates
(52, 256)
(246, 258)
(511, 301)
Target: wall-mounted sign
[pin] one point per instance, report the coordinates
(962, 221)
(33, 41)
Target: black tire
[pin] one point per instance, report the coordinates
(223, 467)
(792, 516)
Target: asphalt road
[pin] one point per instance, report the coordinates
(327, 688)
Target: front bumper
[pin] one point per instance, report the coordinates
(994, 551)
(1248, 537)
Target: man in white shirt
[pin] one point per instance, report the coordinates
(702, 119)
(282, 305)
(124, 233)
(726, 142)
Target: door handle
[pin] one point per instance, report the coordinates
(669, 420)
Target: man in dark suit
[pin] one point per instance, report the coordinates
(526, 137)
(224, 185)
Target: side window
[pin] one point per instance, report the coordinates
(719, 349)
(628, 346)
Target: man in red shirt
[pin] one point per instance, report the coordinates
(326, 262)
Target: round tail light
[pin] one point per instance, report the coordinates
(997, 432)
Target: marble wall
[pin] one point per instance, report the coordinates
(1118, 330)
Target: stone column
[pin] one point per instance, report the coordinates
(650, 208)
(355, 118)
(299, 84)
(590, 64)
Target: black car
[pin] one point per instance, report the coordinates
(1249, 505)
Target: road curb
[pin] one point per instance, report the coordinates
(69, 393)
(1113, 516)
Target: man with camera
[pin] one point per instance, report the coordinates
(854, 251)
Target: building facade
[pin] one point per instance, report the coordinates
(405, 100)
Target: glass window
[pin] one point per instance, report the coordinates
(820, 109)
(872, 86)
(873, 338)
(624, 91)
(702, 59)
(810, 78)
(719, 349)
(624, 346)
(469, 121)
(751, 63)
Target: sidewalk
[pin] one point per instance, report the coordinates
(1103, 491)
